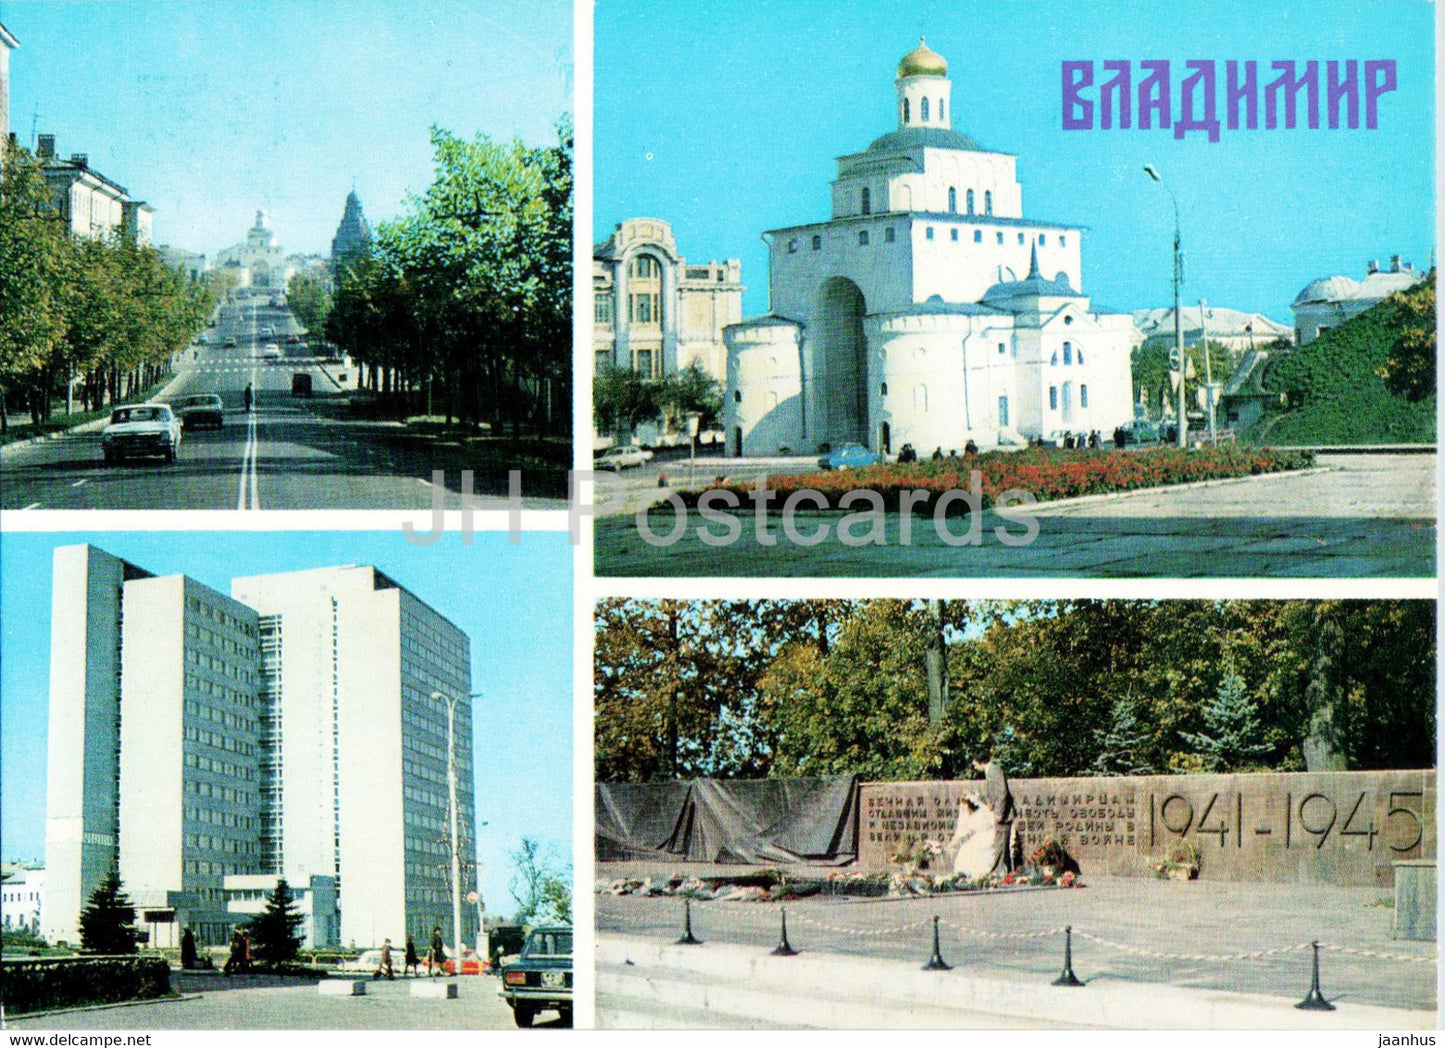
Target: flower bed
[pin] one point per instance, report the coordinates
(1048, 474)
(782, 888)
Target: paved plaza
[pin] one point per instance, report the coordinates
(1197, 938)
(1354, 516)
(239, 1005)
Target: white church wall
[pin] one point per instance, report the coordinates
(764, 402)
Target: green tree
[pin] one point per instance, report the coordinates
(107, 923)
(34, 260)
(622, 400)
(1409, 369)
(309, 300)
(275, 932)
(541, 884)
(1121, 742)
(689, 392)
(1230, 740)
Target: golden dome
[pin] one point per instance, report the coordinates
(922, 61)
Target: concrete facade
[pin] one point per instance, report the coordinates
(367, 806)
(286, 730)
(927, 310)
(652, 312)
(1342, 828)
(1330, 301)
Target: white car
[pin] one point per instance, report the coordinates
(622, 457)
(271, 353)
(138, 430)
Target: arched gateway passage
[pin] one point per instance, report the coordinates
(844, 363)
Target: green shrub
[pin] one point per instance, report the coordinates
(44, 985)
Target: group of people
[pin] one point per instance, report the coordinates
(908, 453)
(239, 959)
(435, 957)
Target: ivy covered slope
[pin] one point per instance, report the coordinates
(1369, 381)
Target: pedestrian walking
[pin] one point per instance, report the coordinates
(385, 965)
(437, 953)
(249, 397)
(410, 964)
(188, 950)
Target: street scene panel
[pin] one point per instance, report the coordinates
(1121, 814)
(276, 771)
(1051, 312)
(306, 234)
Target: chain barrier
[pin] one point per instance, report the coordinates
(802, 916)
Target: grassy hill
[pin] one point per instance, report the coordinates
(1335, 392)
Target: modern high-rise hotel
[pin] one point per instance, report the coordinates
(198, 741)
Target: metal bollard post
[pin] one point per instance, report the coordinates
(784, 949)
(688, 939)
(1314, 1000)
(936, 962)
(1067, 977)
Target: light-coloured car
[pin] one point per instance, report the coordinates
(271, 353)
(622, 457)
(141, 430)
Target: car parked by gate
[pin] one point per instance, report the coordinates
(849, 456)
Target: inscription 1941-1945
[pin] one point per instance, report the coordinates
(1343, 827)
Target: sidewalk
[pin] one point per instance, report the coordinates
(1154, 937)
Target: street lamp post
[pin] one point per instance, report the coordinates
(1208, 372)
(1153, 173)
(451, 701)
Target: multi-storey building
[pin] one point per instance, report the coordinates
(8, 43)
(90, 204)
(199, 741)
(653, 313)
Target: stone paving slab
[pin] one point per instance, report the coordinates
(386, 1005)
(1017, 935)
(1363, 516)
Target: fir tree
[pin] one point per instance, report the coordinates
(107, 924)
(1122, 743)
(276, 931)
(1231, 737)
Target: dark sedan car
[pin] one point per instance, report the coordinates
(199, 410)
(541, 978)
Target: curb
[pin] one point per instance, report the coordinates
(831, 990)
(172, 999)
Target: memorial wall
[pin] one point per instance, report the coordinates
(1344, 828)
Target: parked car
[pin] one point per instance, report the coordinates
(230, 342)
(1141, 431)
(138, 430)
(471, 963)
(541, 978)
(622, 457)
(849, 456)
(198, 410)
(203, 339)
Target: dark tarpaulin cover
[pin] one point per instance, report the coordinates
(813, 820)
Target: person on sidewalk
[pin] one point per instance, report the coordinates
(385, 965)
(436, 955)
(410, 963)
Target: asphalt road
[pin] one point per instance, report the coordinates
(290, 453)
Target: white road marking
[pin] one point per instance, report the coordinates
(249, 481)
(83, 480)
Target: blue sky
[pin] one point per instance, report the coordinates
(514, 602)
(210, 111)
(726, 116)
